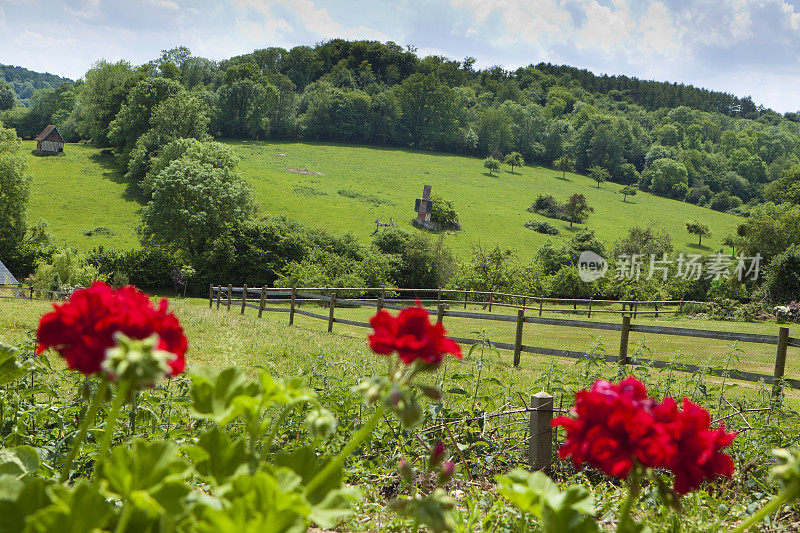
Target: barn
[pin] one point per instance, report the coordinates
(50, 141)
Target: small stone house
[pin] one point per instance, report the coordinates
(6, 278)
(50, 141)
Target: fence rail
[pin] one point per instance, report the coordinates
(19, 291)
(257, 298)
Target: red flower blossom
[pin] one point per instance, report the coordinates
(82, 329)
(615, 425)
(412, 336)
(697, 457)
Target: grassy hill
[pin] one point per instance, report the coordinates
(348, 187)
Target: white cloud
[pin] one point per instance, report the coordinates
(169, 4)
(318, 20)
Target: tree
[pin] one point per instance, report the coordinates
(666, 174)
(786, 188)
(193, 204)
(492, 164)
(628, 190)
(783, 276)
(244, 107)
(515, 159)
(7, 96)
(577, 209)
(696, 227)
(14, 191)
(444, 213)
(565, 164)
(599, 174)
(426, 111)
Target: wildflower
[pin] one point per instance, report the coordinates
(83, 329)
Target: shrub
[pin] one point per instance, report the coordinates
(444, 213)
(147, 268)
(782, 280)
(541, 226)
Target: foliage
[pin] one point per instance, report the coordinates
(577, 209)
(540, 226)
(14, 191)
(628, 190)
(695, 227)
(491, 164)
(514, 159)
(782, 280)
(599, 175)
(444, 213)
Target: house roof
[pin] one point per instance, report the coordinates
(47, 131)
(5, 275)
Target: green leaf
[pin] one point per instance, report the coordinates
(217, 456)
(144, 466)
(336, 505)
(20, 498)
(214, 394)
(10, 368)
(535, 493)
(305, 463)
(76, 510)
(19, 461)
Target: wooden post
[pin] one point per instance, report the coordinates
(210, 295)
(438, 298)
(263, 301)
(540, 449)
(574, 306)
(439, 314)
(380, 299)
(541, 302)
(623, 340)
(491, 297)
(525, 302)
(219, 295)
(680, 308)
(291, 308)
(230, 295)
(31, 297)
(589, 314)
(518, 339)
(465, 299)
(244, 297)
(780, 366)
(635, 307)
(330, 314)
(656, 306)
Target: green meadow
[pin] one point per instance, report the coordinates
(345, 188)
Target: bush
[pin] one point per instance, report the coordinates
(540, 226)
(147, 268)
(695, 308)
(444, 213)
(547, 206)
(782, 281)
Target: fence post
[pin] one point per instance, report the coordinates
(230, 295)
(262, 301)
(438, 298)
(291, 308)
(656, 306)
(219, 295)
(541, 301)
(330, 314)
(244, 297)
(623, 340)
(591, 299)
(210, 295)
(380, 299)
(465, 299)
(518, 339)
(635, 307)
(439, 314)
(31, 297)
(780, 365)
(540, 447)
(491, 297)
(680, 308)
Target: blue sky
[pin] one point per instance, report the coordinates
(745, 47)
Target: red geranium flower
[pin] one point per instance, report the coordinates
(614, 425)
(82, 329)
(698, 457)
(412, 336)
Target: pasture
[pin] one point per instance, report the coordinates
(349, 187)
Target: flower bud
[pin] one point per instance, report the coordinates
(137, 361)
(437, 455)
(406, 471)
(448, 469)
(321, 423)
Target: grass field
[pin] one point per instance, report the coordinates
(81, 190)
(221, 338)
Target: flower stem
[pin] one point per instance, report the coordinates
(634, 488)
(363, 433)
(111, 423)
(91, 412)
(774, 504)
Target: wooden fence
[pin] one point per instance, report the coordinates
(263, 298)
(19, 291)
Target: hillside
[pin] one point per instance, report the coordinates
(25, 82)
(357, 184)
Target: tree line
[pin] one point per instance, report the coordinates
(705, 147)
